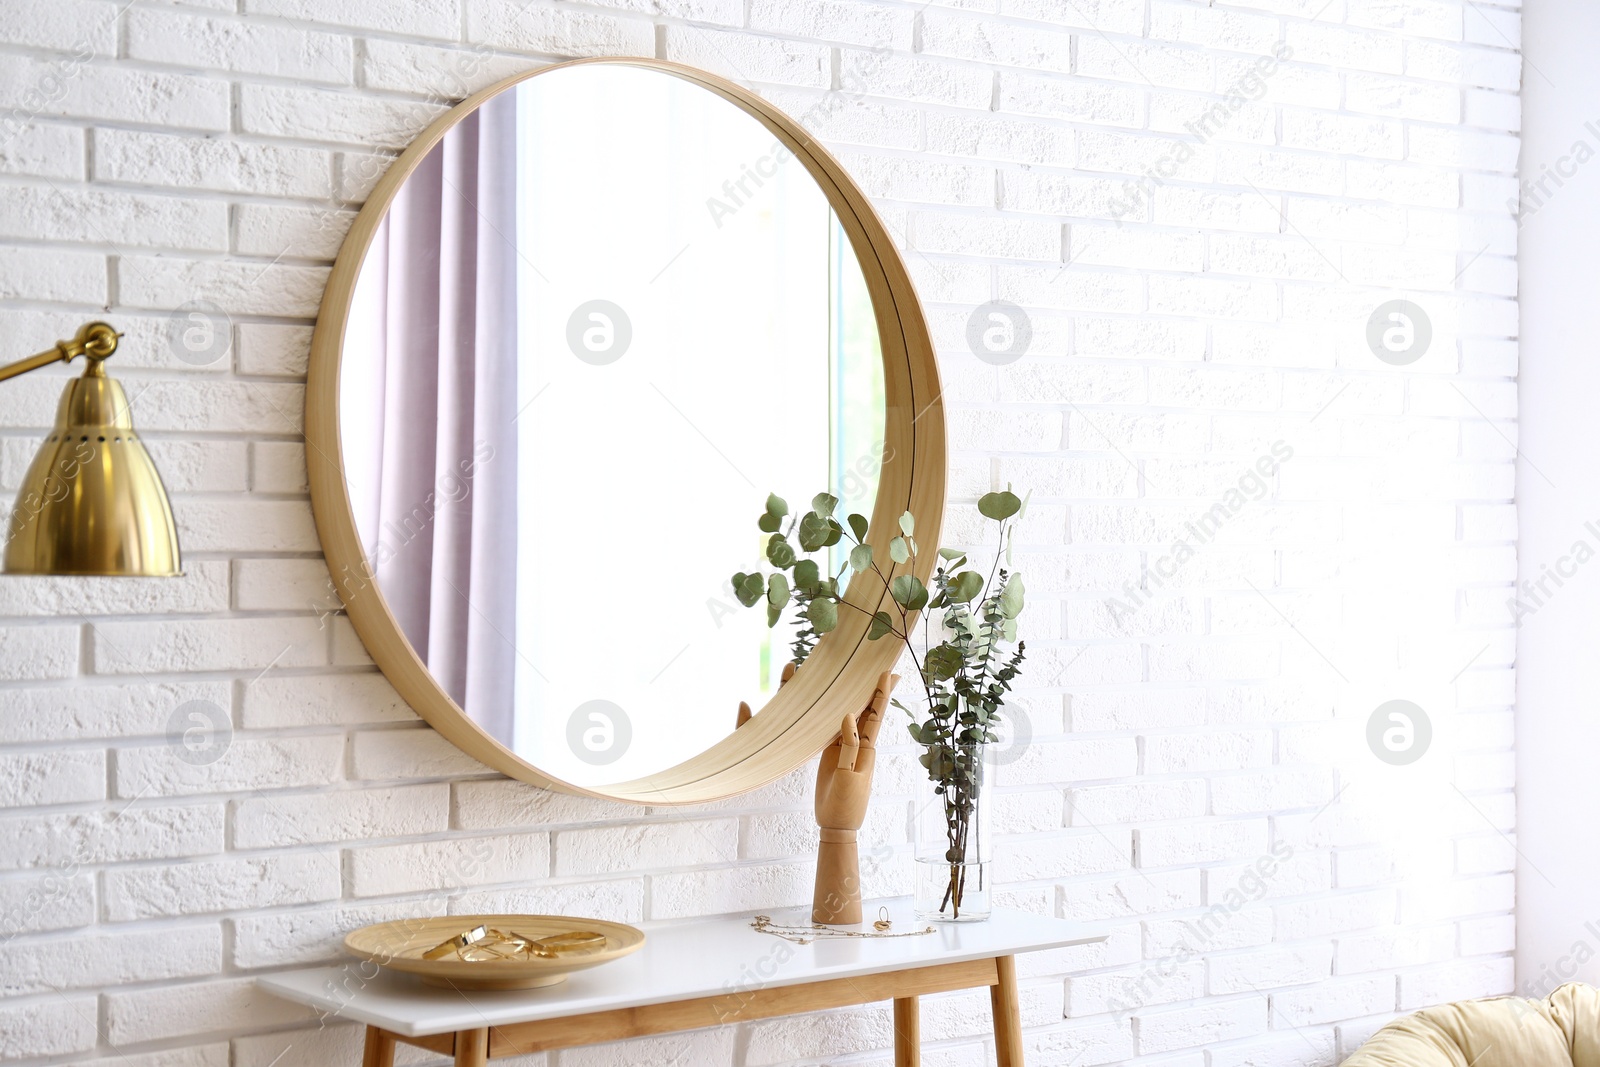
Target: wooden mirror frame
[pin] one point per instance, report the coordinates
(842, 670)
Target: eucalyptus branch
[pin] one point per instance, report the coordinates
(963, 688)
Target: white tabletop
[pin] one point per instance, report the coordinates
(716, 957)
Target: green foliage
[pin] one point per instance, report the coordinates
(966, 666)
(772, 520)
(748, 588)
(780, 553)
(909, 592)
(1011, 597)
(999, 506)
(777, 590)
(942, 662)
(967, 585)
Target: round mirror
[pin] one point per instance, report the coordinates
(582, 329)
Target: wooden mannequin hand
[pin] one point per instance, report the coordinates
(844, 786)
(844, 777)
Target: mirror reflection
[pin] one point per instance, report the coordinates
(601, 321)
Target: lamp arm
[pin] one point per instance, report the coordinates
(23, 366)
(95, 340)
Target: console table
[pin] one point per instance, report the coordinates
(694, 975)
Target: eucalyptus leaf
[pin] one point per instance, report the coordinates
(748, 588)
(999, 506)
(966, 585)
(777, 590)
(823, 614)
(1011, 597)
(899, 551)
(823, 504)
(813, 532)
(835, 533)
(774, 613)
(908, 524)
(943, 661)
(909, 592)
(882, 623)
(776, 505)
(780, 553)
(861, 558)
(858, 526)
(952, 554)
(807, 576)
(769, 523)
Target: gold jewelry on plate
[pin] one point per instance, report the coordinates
(493, 951)
(457, 944)
(557, 944)
(485, 944)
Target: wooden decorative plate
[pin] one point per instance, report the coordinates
(400, 946)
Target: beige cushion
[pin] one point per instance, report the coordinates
(1562, 1030)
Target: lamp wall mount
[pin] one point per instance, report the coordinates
(97, 340)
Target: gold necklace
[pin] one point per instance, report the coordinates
(804, 935)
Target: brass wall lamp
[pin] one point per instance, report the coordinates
(92, 503)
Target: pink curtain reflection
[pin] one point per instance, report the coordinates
(427, 402)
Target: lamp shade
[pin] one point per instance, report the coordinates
(92, 502)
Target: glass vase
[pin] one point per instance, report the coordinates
(954, 835)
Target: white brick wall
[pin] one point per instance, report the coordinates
(1198, 776)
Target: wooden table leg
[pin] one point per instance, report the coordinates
(1007, 1013)
(472, 1048)
(907, 1033)
(379, 1051)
